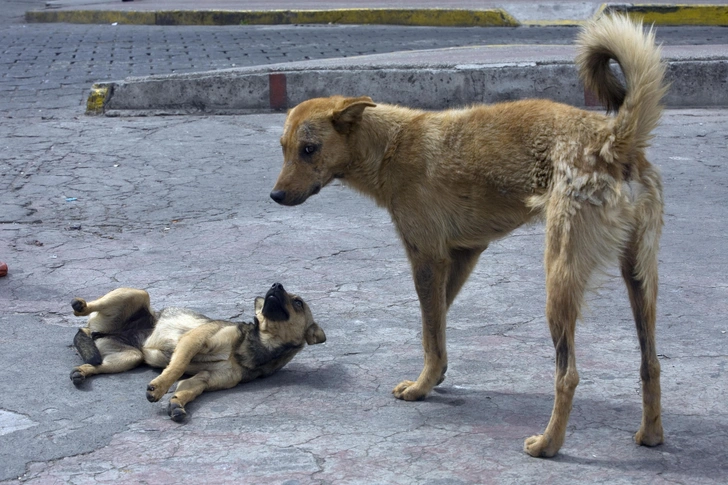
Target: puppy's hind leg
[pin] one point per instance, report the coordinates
(113, 363)
(118, 302)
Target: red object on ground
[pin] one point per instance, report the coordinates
(3, 269)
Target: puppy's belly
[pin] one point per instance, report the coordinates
(172, 324)
(156, 357)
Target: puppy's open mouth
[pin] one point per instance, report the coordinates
(274, 307)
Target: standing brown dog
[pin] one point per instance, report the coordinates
(454, 181)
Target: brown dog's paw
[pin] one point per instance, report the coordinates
(408, 391)
(177, 412)
(645, 438)
(79, 307)
(540, 446)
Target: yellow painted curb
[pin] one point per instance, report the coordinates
(676, 14)
(96, 99)
(371, 16)
(90, 17)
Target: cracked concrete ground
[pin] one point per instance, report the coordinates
(180, 206)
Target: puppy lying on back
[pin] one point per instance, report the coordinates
(123, 331)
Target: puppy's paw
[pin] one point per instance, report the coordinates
(155, 392)
(77, 376)
(540, 446)
(176, 411)
(79, 307)
(408, 391)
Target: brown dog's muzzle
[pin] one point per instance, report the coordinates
(278, 196)
(286, 198)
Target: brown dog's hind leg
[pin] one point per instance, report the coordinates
(561, 313)
(430, 281)
(580, 235)
(643, 308)
(639, 270)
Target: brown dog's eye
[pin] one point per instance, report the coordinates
(298, 303)
(309, 149)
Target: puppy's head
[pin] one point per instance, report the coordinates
(285, 318)
(316, 146)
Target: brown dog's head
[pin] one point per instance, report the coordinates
(284, 318)
(315, 148)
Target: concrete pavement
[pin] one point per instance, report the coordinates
(179, 205)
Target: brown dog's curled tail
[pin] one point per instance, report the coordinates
(638, 104)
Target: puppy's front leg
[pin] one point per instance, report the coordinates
(430, 277)
(189, 345)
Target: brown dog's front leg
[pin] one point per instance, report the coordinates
(430, 281)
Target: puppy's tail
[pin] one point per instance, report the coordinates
(638, 104)
(87, 348)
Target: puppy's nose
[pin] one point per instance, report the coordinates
(277, 286)
(278, 195)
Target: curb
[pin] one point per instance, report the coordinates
(659, 14)
(693, 83)
(679, 14)
(384, 16)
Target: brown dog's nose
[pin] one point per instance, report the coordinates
(278, 195)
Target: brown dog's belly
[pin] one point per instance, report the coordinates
(487, 224)
(461, 221)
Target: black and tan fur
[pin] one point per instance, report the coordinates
(455, 180)
(123, 331)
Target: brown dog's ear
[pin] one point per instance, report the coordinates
(315, 335)
(345, 117)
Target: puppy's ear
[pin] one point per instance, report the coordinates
(350, 112)
(315, 335)
(259, 301)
